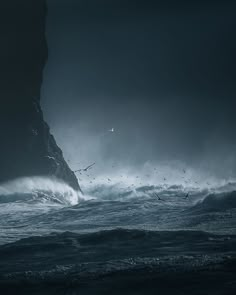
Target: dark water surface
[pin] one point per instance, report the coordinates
(143, 240)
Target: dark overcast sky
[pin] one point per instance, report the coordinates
(162, 73)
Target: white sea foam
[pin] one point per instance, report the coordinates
(39, 189)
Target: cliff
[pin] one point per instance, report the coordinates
(26, 148)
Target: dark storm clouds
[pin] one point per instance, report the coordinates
(161, 73)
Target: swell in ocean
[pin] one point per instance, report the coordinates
(36, 206)
(122, 235)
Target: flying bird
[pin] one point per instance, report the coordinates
(156, 195)
(187, 196)
(85, 169)
(111, 130)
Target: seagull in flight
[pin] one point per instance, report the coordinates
(85, 169)
(156, 195)
(187, 196)
(111, 130)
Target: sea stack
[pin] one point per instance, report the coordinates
(27, 147)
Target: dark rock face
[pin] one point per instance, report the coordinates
(26, 146)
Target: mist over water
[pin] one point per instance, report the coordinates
(140, 96)
(39, 206)
(142, 222)
(162, 78)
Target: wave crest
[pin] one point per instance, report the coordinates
(217, 202)
(38, 189)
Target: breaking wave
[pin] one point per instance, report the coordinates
(38, 189)
(217, 202)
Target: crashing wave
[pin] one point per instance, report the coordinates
(217, 202)
(38, 189)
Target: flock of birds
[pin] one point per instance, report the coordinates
(81, 171)
(160, 199)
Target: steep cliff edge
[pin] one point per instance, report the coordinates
(26, 146)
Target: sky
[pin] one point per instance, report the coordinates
(161, 73)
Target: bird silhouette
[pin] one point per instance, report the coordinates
(187, 196)
(156, 195)
(85, 169)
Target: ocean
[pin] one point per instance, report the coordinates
(117, 239)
